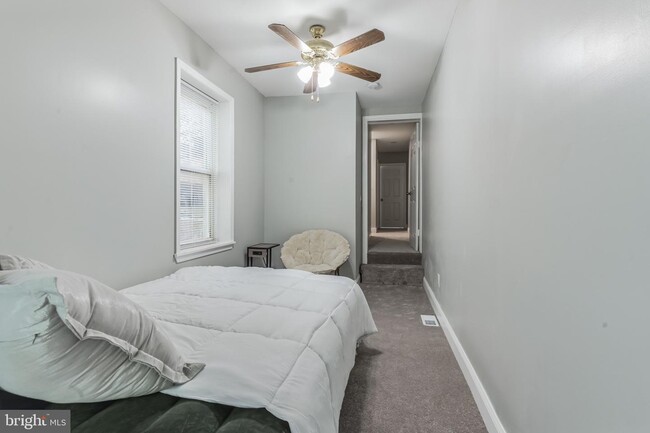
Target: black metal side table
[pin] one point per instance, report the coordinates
(260, 251)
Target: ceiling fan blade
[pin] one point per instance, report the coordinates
(273, 66)
(312, 85)
(289, 36)
(365, 40)
(356, 71)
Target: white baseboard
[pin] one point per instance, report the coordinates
(485, 407)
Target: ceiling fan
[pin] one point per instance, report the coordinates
(320, 56)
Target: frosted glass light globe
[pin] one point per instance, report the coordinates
(326, 70)
(305, 74)
(323, 81)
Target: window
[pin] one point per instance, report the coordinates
(204, 166)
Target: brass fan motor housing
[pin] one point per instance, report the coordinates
(321, 48)
(317, 31)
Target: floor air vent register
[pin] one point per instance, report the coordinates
(428, 320)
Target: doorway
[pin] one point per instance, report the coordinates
(391, 184)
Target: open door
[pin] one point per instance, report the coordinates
(413, 193)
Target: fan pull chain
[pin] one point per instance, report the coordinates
(317, 92)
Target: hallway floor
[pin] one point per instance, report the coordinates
(390, 242)
(406, 379)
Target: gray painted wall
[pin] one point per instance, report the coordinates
(311, 168)
(359, 184)
(537, 192)
(87, 146)
(392, 109)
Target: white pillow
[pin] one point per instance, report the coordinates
(10, 263)
(67, 338)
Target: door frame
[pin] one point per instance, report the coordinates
(406, 197)
(365, 160)
(415, 154)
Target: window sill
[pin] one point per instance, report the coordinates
(202, 251)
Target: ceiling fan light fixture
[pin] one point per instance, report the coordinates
(323, 81)
(305, 74)
(326, 70)
(320, 57)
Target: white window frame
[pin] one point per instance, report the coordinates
(224, 175)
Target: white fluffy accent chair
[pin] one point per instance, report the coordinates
(317, 251)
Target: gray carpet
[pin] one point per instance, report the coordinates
(406, 379)
(389, 242)
(391, 246)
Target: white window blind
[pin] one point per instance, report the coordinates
(198, 135)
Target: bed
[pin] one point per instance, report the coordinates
(278, 345)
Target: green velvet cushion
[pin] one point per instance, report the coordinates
(160, 413)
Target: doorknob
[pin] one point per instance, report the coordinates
(381, 199)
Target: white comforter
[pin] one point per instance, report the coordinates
(280, 339)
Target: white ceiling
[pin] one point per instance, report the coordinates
(392, 137)
(415, 33)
